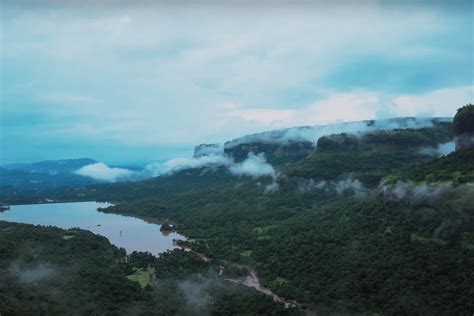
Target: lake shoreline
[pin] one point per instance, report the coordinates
(130, 232)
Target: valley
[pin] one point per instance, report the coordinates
(363, 223)
(236, 158)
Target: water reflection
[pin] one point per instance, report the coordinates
(131, 233)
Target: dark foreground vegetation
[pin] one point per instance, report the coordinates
(51, 271)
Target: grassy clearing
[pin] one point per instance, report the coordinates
(246, 253)
(67, 237)
(262, 230)
(279, 281)
(441, 242)
(140, 276)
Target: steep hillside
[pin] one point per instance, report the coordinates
(280, 155)
(458, 167)
(368, 223)
(375, 251)
(371, 156)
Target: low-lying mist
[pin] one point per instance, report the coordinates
(253, 166)
(342, 187)
(212, 155)
(313, 133)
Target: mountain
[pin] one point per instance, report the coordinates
(464, 127)
(32, 180)
(290, 151)
(377, 221)
(286, 146)
(52, 167)
(371, 156)
(364, 223)
(343, 232)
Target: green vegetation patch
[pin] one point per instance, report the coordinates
(246, 253)
(68, 237)
(457, 167)
(466, 198)
(279, 281)
(468, 240)
(141, 276)
(263, 229)
(468, 246)
(371, 157)
(441, 242)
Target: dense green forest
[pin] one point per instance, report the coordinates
(363, 224)
(334, 251)
(51, 271)
(352, 255)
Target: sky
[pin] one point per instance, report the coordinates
(126, 81)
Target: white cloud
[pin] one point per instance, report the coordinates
(425, 193)
(313, 133)
(348, 185)
(356, 106)
(443, 102)
(138, 75)
(272, 187)
(181, 163)
(254, 165)
(442, 149)
(102, 172)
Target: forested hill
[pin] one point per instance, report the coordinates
(368, 151)
(368, 224)
(378, 222)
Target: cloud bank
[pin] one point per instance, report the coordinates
(33, 275)
(442, 149)
(177, 164)
(254, 166)
(313, 133)
(417, 194)
(137, 77)
(342, 187)
(102, 172)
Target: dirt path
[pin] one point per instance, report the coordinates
(201, 256)
(252, 280)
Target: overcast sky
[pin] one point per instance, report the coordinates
(117, 81)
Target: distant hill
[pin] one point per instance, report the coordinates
(34, 179)
(52, 167)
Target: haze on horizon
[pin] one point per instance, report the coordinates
(119, 82)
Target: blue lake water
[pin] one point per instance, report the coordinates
(131, 233)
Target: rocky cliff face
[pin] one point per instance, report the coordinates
(207, 149)
(275, 153)
(463, 126)
(464, 141)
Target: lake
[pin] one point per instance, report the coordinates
(131, 233)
